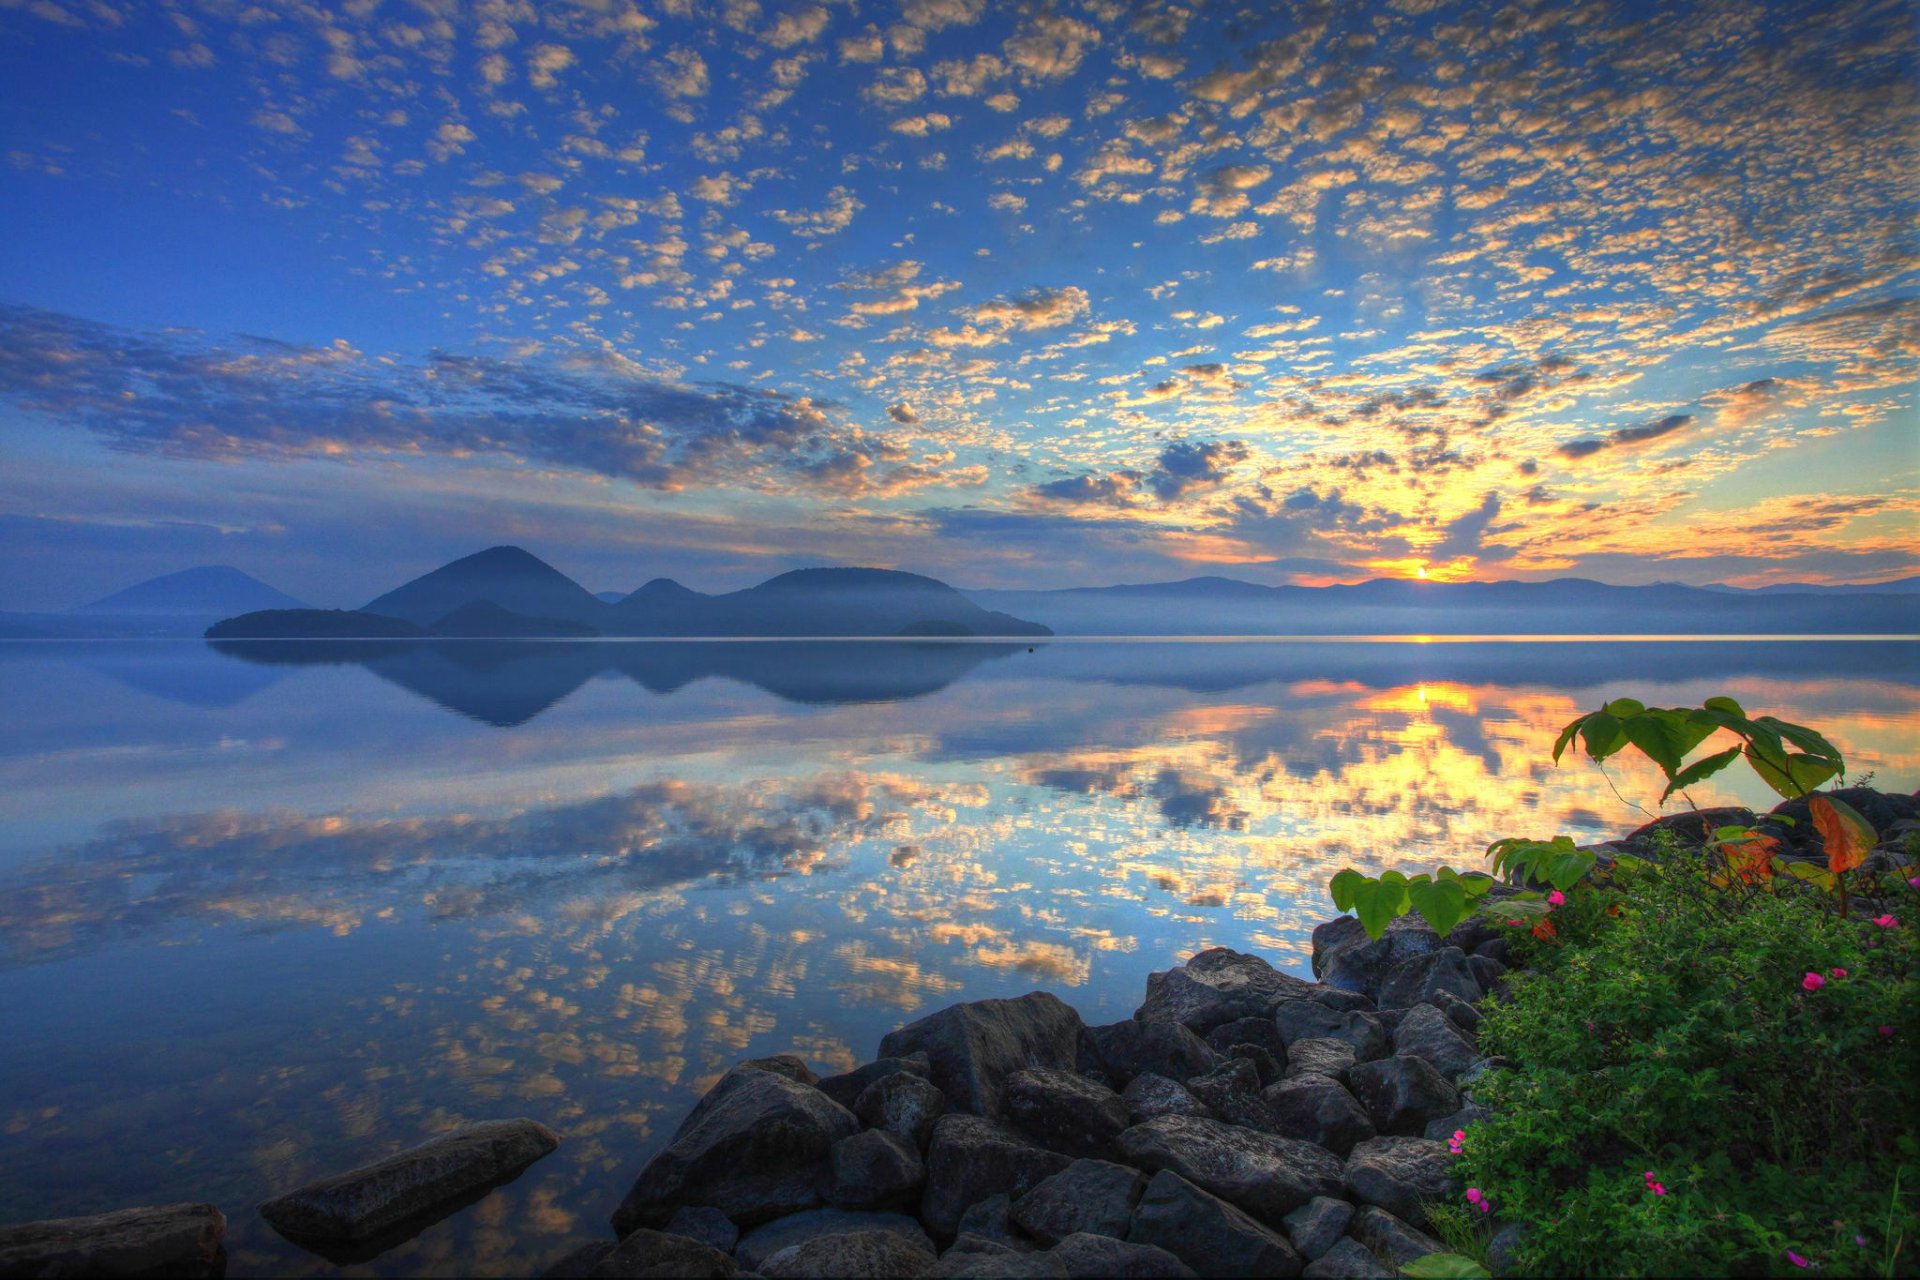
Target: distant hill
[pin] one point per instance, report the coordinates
(1895, 586)
(484, 618)
(609, 597)
(313, 624)
(816, 602)
(211, 591)
(513, 579)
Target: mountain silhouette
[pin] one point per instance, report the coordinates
(313, 624)
(211, 591)
(511, 578)
(484, 618)
(815, 602)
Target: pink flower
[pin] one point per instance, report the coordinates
(1914, 881)
(1887, 921)
(1797, 1260)
(1839, 973)
(1885, 1030)
(1478, 1200)
(1656, 1188)
(1556, 899)
(1813, 982)
(1514, 923)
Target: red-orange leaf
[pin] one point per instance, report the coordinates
(1847, 836)
(1544, 930)
(1751, 859)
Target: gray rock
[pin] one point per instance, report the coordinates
(856, 1255)
(971, 1158)
(1215, 987)
(1318, 1057)
(992, 1219)
(792, 1066)
(1091, 1196)
(1064, 1112)
(1458, 1011)
(975, 1047)
(967, 1242)
(1318, 1109)
(152, 1240)
(1459, 1122)
(1128, 1049)
(1265, 1064)
(1148, 1095)
(1392, 1241)
(758, 1147)
(411, 1184)
(650, 1254)
(1093, 1257)
(956, 1265)
(707, 1225)
(1344, 957)
(1503, 1249)
(1347, 1258)
(1267, 1176)
(1232, 1091)
(1208, 1234)
(1471, 933)
(1297, 1020)
(1495, 951)
(1316, 1225)
(903, 1104)
(1339, 999)
(847, 1087)
(1427, 1033)
(1258, 1031)
(1402, 1093)
(1418, 980)
(874, 1169)
(578, 1263)
(763, 1242)
(1401, 1175)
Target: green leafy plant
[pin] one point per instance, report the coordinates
(1445, 1266)
(1443, 898)
(1666, 735)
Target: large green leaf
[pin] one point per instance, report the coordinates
(1624, 707)
(1792, 775)
(1728, 705)
(1666, 736)
(1341, 888)
(1445, 1266)
(1443, 903)
(1378, 903)
(1602, 734)
(1804, 738)
(1566, 736)
(1700, 770)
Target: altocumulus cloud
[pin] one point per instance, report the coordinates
(1625, 436)
(181, 396)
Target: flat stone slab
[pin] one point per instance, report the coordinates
(153, 1240)
(412, 1184)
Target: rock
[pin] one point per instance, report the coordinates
(1400, 1175)
(1318, 1109)
(973, 1265)
(1232, 1091)
(1344, 957)
(1428, 1033)
(1297, 1020)
(1258, 1031)
(846, 1088)
(992, 1219)
(785, 1064)
(1148, 1095)
(1217, 986)
(1347, 1258)
(1459, 1122)
(1091, 1257)
(1402, 1093)
(1695, 827)
(1458, 1011)
(1168, 1049)
(1471, 933)
(758, 1147)
(971, 1158)
(1317, 1224)
(161, 1239)
(857, 1255)
(1496, 951)
(707, 1225)
(1064, 1112)
(411, 1184)
(1476, 1075)
(903, 1104)
(1092, 1196)
(1504, 1248)
(974, 1047)
(1207, 1233)
(1318, 1057)
(875, 1168)
(580, 1262)
(656, 1253)
(1265, 1065)
(966, 1242)
(1339, 999)
(1414, 981)
(1267, 1176)
(1389, 1239)
(763, 1242)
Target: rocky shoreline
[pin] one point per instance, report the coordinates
(1244, 1122)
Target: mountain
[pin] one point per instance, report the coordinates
(513, 579)
(211, 591)
(1896, 586)
(485, 619)
(609, 597)
(815, 602)
(313, 624)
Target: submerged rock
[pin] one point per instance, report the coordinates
(411, 1184)
(1267, 1176)
(152, 1240)
(1208, 1234)
(975, 1047)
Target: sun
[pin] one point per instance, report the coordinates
(1422, 572)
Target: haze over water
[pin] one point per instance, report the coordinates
(263, 920)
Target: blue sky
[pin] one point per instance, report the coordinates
(1017, 295)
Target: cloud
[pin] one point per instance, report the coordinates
(1624, 437)
(803, 27)
(1037, 308)
(830, 219)
(1050, 46)
(1186, 467)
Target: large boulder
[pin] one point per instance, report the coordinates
(1317, 1224)
(411, 1184)
(650, 1254)
(1318, 1109)
(1255, 1031)
(763, 1242)
(1232, 1091)
(905, 1105)
(1320, 1057)
(1460, 1013)
(1215, 987)
(990, 1264)
(971, 1158)
(992, 1219)
(1064, 1112)
(1402, 1093)
(1427, 1033)
(975, 1047)
(847, 1087)
(1267, 1176)
(1265, 1064)
(1208, 1234)
(1347, 1259)
(152, 1240)
(1421, 978)
(1401, 1175)
(1444, 1127)
(1097, 1257)
(1393, 1242)
(1344, 957)
(1148, 1095)
(854, 1255)
(875, 1168)
(759, 1146)
(707, 1225)
(1296, 1020)
(1126, 1049)
(1091, 1196)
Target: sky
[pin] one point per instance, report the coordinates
(1017, 295)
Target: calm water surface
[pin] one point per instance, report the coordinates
(270, 914)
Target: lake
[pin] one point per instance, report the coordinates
(272, 913)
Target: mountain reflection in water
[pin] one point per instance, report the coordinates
(264, 920)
